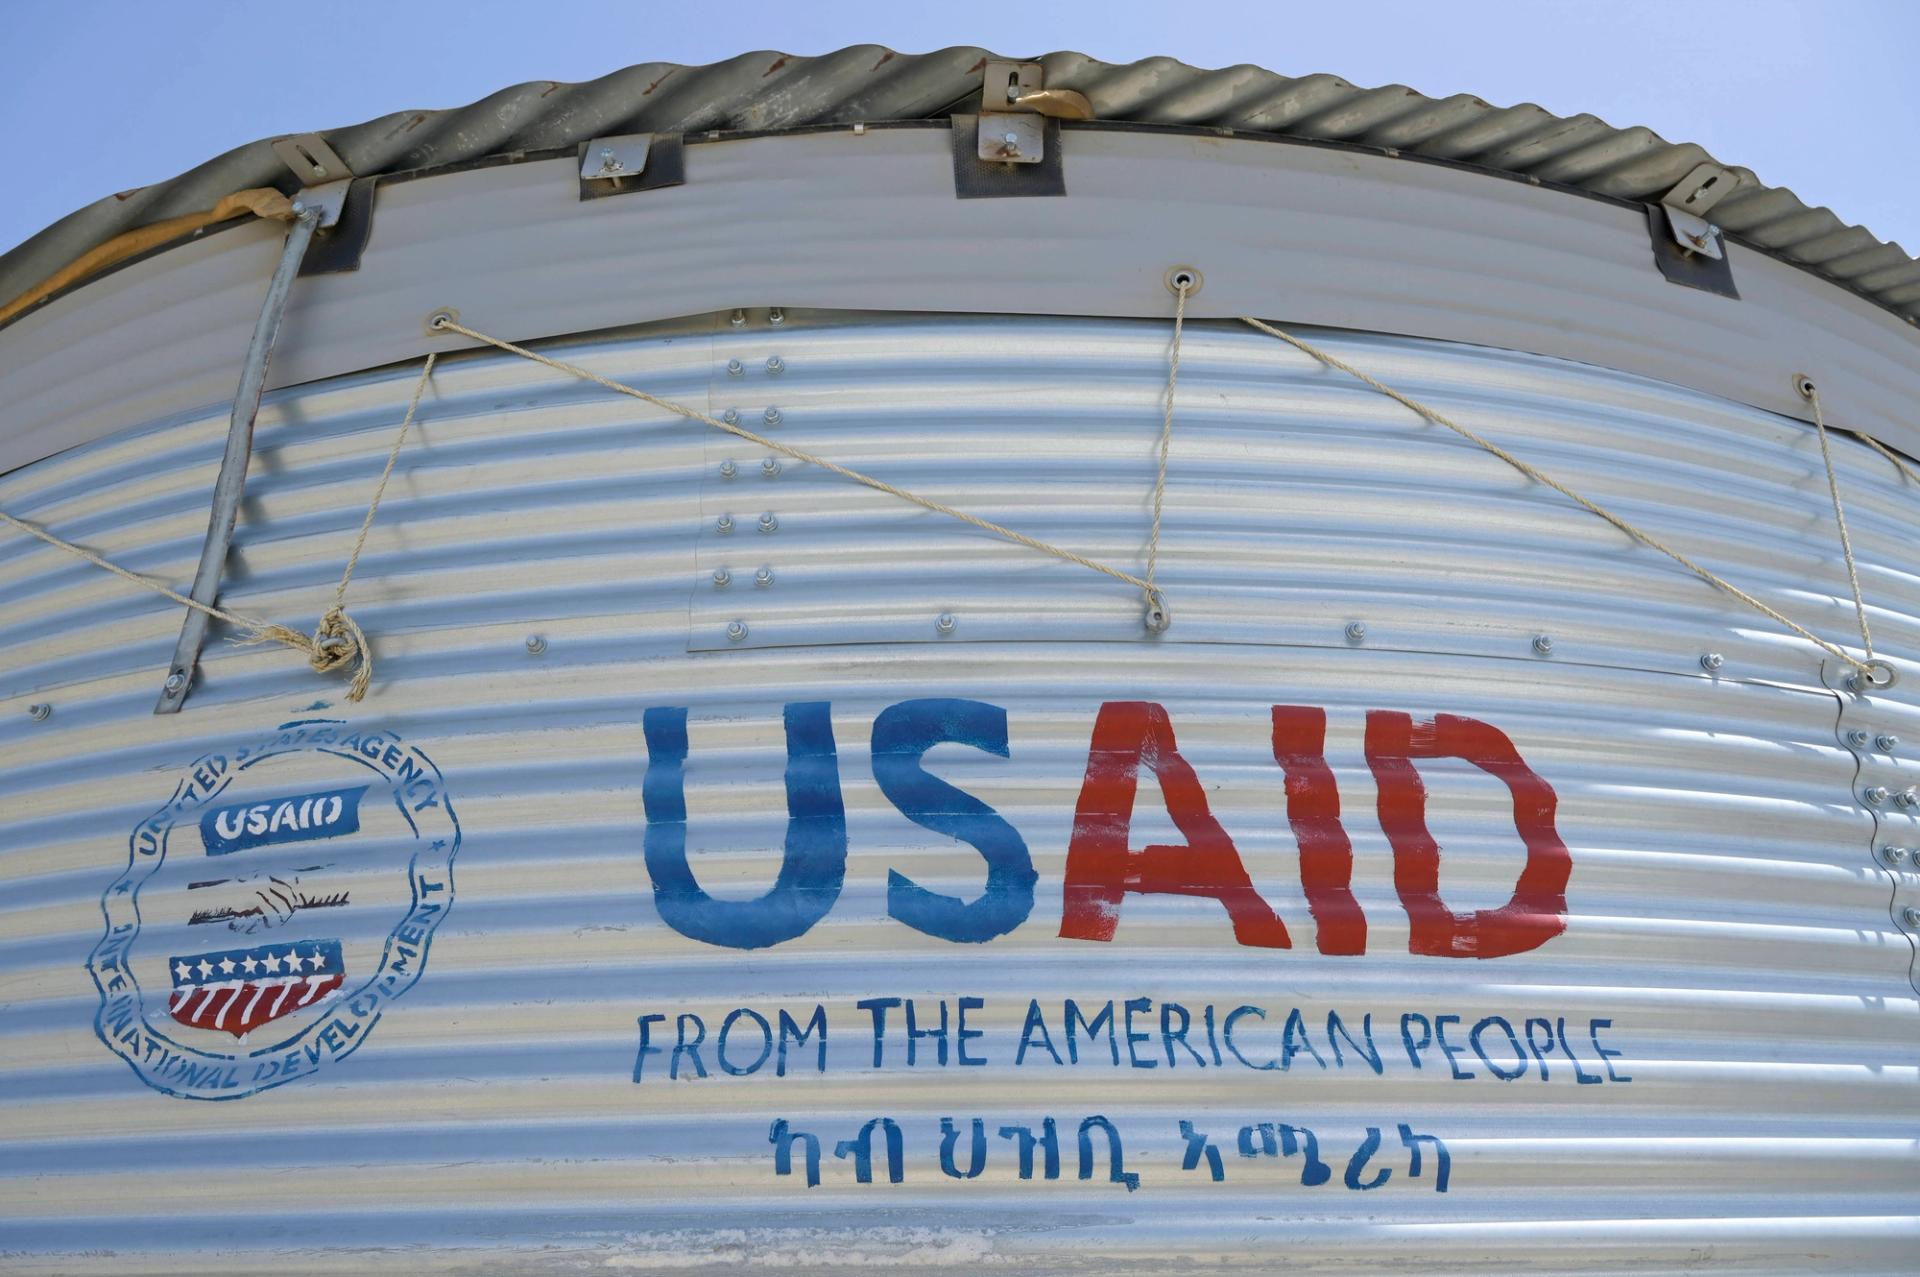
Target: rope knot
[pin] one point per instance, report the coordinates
(339, 642)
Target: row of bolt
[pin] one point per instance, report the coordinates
(1542, 646)
(737, 629)
(769, 469)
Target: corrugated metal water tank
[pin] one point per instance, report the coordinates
(1713, 1064)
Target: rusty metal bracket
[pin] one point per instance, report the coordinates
(634, 162)
(1689, 249)
(231, 484)
(1013, 146)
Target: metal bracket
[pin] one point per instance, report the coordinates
(629, 163)
(1016, 130)
(231, 484)
(1687, 247)
(312, 161)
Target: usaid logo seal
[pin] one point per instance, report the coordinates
(273, 908)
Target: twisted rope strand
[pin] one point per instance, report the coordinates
(1180, 288)
(1539, 476)
(1812, 396)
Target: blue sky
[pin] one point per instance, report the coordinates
(104, 95)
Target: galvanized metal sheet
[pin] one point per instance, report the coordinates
(476, 1092)
(870, 222)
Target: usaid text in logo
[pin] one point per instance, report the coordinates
(270, 911)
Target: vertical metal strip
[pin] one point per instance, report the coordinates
(231, 484)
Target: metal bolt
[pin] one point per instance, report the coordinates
(737, 318)
(536, 644)
(38, 713)
(1907, 799)
(771, 416)
(175, 681)
(728, 470)
(299, 206)
(1012, 140)
(776, 316)
(1858, 739)
(731, 416)
(1356, 631)
(770, 468)
(1886, 742)
(724, 524)
(736, 630)
(735, 368)
(1543, 644)
(768, 523)
(1712, 661)
(1875, 795)
(1894, 855)
(722, 578)
(944, 622)
(763, 578)
(1911, 916)
(776, 365)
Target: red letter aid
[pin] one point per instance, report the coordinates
(1537, 911)
(1101, 868)
(1313, 809)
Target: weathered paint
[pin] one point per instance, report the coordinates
(1037, 944)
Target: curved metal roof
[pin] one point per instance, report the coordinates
(870, 84)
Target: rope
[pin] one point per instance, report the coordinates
(444, 323)
(336, 642)
(1898, 462)
(1155, 607)
(1812, 396)
(1540, 476)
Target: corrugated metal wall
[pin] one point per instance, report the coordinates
(1726, 912)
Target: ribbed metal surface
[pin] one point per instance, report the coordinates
(1725, 912)
(867, 83)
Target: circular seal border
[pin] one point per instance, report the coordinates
(193, 1073)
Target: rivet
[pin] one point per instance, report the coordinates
(175, 681)
(944, 622)
(1886, 742)
(776, 365)
(536, 644)
(723, 524)
(1543, 644)
(1911, 916)
(736, 630)
(764, 577)
(722, 578)
(1858, 739)
(770, 468)
(735, 368)
(1356, 631)
(1907, 799)
(38, 713)
(1712, 661)
(728, 470)
(776, 316)
(1875, 795)
(772, 416)
(731, 416)
(1894, 855)
(737, 318)
(768, 523)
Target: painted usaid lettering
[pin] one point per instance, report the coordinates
(338, 889)
(1102, 866)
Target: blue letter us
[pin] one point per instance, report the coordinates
(815, 863)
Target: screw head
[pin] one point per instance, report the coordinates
(722, 578)
(731, 416)
(1712, 661)
(38, 713)
(770, 468)
(735, 368)
(1543, 644)
(738, 318)
(728, 470)
(175, 681)
(1911, 916)
(1011, 139)
(776, 316)
(723, 524)
(768, 523)
(776, 365)
(764, 577)
(536, 644)
(944, 623)
(736, 631)
(771, 416)
(1894, 855)
(1907, 799)
(1875, 795)
(1886, 742)
(1858, 739)
(1356, 631)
